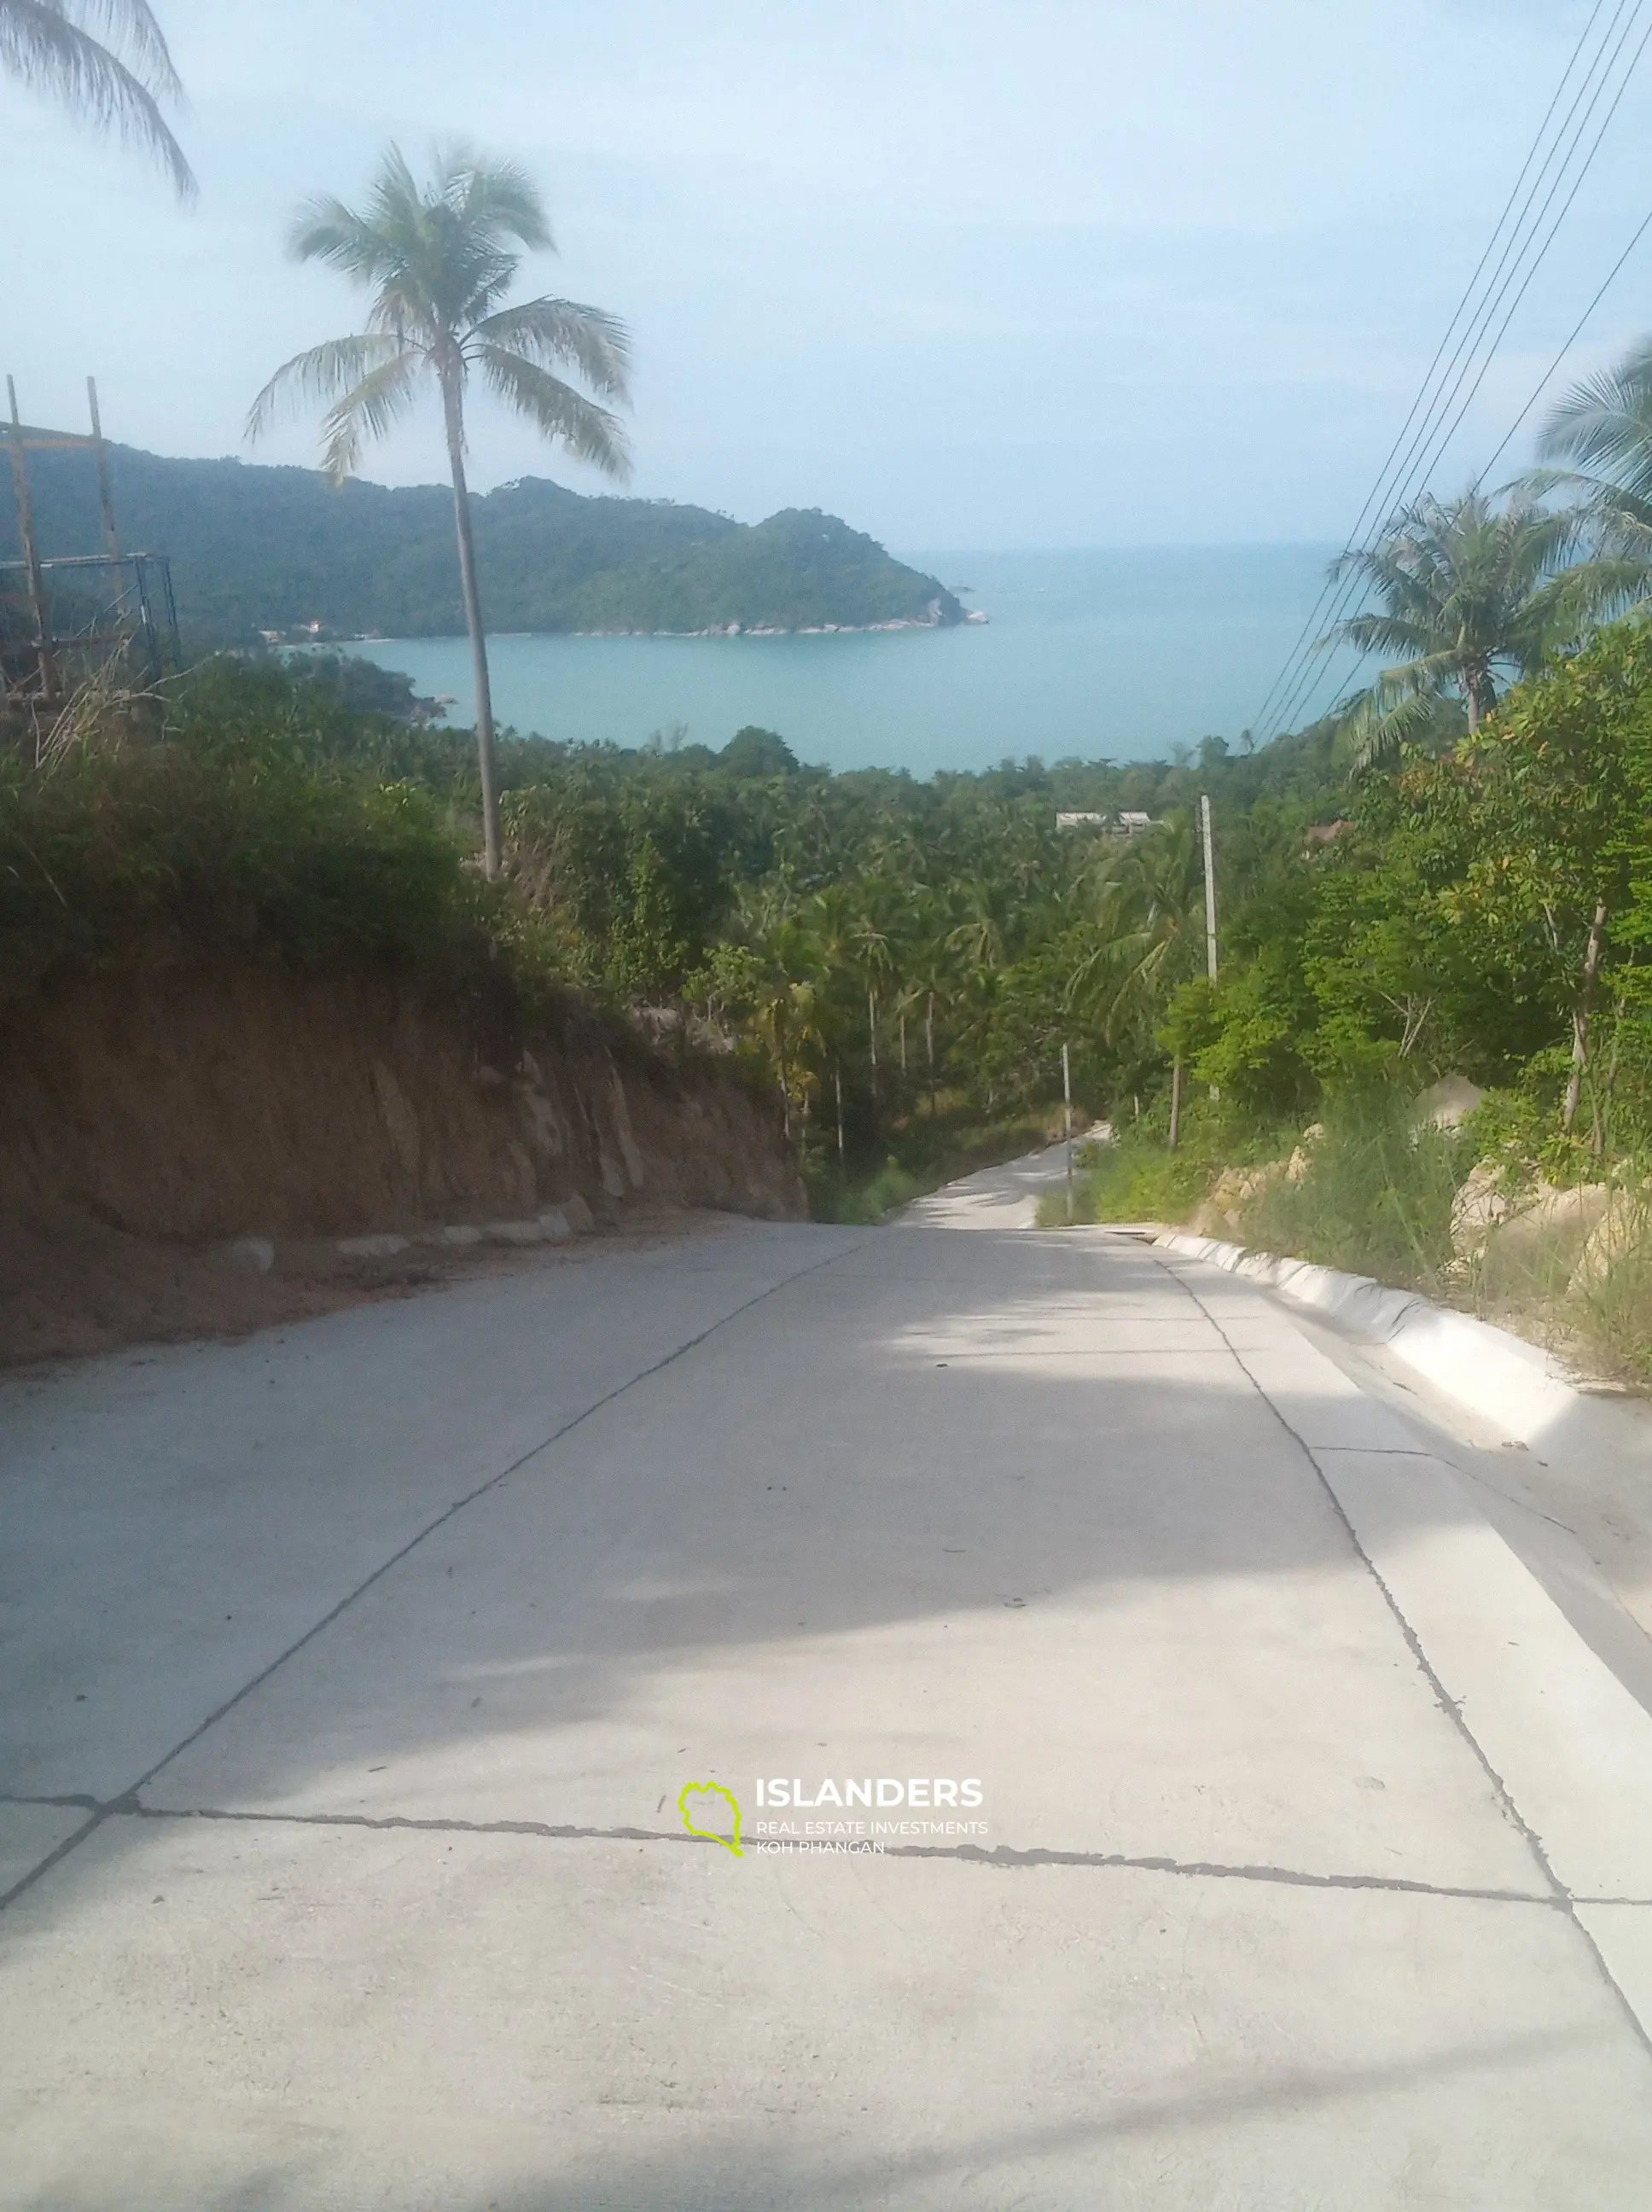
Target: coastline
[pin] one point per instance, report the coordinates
(975, 619)
(1086, 655)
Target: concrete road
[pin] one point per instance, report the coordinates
(353, 1675)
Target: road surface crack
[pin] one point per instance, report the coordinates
(1000, 1857)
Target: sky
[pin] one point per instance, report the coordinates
(971, 273)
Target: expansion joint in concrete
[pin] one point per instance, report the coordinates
(127, 1802)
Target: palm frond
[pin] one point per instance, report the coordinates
(42, 45)
(589, 432)
(1605, 423)
(1376, 731)
(1428, 677)
(1376, 633)
(498, 199)
(368, 411)
(323, 374)
(324, 229)
(550, 333)
(130, 24)
(1581, 596)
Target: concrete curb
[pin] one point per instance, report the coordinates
(552, 1224)
(1523, 1390)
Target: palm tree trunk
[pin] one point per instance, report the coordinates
(453, 411)
(837, 1084)
(904, 1041)
(929, 1032)
(1580, 1019)
(872, 1031)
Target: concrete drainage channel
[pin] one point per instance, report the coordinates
(552, 1224)
(1499, 1377)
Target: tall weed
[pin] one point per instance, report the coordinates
(1375, 1197)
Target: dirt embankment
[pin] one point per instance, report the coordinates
(148, 1118)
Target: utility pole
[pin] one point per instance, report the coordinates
(1210, 912)
(1066, 1103)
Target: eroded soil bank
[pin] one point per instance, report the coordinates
(150, 1117)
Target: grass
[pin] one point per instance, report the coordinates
(1131, 1181)
(1136, 1178)
(1376, 1200)
(1612, 1315)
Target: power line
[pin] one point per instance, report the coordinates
(1374, 495)
(1299, 678)
(1612, 274)
(1311, 679)
(1431, 440)
(1306, 676)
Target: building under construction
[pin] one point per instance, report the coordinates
(74, 624)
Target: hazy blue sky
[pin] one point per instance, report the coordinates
(970, 272)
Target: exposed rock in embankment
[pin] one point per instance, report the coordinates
(195, 1103)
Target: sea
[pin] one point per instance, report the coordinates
(1113, 654)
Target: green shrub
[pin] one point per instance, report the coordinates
(102, 849)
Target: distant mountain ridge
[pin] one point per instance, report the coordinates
(276, 549)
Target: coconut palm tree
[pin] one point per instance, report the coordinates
(437, 262)
(1604, 426)
(1146, 931)
(1472, 593)
(116, 82)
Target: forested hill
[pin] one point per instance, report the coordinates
(257, 548)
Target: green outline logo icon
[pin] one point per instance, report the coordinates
(710, 1835)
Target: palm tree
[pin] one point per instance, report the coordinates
(1471, 592)
(1149, 918)
(438, 263)
(1604, 425)
(117, 85)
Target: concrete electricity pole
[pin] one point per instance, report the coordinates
(1210, 887)
(1210, 899)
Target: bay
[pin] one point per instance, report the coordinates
(1110, 654)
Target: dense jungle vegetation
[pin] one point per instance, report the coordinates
(902, 961)
(256, 548)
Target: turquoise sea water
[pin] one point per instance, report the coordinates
(1115, 654)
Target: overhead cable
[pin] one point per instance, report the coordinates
(1442, 399)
